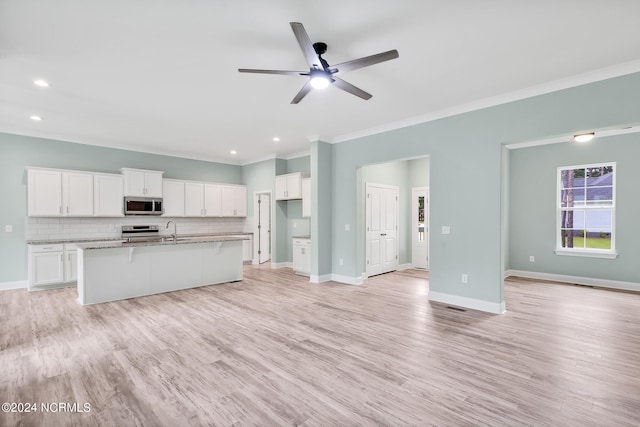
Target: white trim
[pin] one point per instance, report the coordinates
(567, 137)
(348, 280)
(577, 280)
(553, 86)
(586, 253)
(407, 266)
(472, 303)
(19, 284)
(276, 265)
(314, 278)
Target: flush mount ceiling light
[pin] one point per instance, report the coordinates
(584, 137)
(41, 83)
(276, 139)
(233, 152)
(36, 118)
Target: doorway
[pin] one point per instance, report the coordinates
(420, 227)
(381, 219)
(262, 212)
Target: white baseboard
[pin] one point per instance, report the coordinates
(20, 284)
(407, 266)
(275, 265)
(347, 280)
(320, 279)
(578, 280)
(472, 303)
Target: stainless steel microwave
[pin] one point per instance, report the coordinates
(142, 206)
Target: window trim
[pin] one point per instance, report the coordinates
(585, 252)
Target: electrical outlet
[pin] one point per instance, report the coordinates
(8, 228)
(347, 227)
(532, 258)
(446, 229)
(465, 278)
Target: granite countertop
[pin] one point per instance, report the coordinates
(122, 240)
(302, 237)
(166, 241)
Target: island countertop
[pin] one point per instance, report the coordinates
(163, 241)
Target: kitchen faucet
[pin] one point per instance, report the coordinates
(175, 229)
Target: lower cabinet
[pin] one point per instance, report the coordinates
(302, 256)
(247, 250)
(52, 264)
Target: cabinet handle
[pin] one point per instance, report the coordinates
(205, 211)
(67, 208)
(60, 209)
(383, 234)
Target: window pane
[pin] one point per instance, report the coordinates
(572, 238)
(600, 196)
(571, 197)
(599, 220)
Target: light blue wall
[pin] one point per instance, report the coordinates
(466, 162)
(533, 181)
(16, 152)
(258, 176)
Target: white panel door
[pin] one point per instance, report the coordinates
(420, 227)
(264, 227)
(381, 210)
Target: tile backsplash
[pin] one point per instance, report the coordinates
(108, 228)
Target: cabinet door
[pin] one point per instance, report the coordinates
(44, 188)
(71, 265)
(306, 197)
(294, 186)
(234, 200)
(134, 183)
(153, 184)
(108, 195)
(281, 187)
(193, 199)
(212, 200)
(298, 257)
(247, 250)
(173, 199)
(77, 194)
(306, 259)
(46, 268)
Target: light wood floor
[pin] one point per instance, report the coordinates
(275, 350)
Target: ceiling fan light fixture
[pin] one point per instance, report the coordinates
(584, 137)
(319, 80)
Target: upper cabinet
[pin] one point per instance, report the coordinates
(201, 199)
(233, 200)
(173, 197)
(142, 183)
(108, 195)
(53, 192)
(306, 197)
(289, 186)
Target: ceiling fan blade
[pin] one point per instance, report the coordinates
(366, 61)
(284, 72)
(348, 87)
(305, 44)
(303, 92)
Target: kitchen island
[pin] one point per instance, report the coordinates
(111, 271)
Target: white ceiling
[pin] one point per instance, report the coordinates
(161, 76)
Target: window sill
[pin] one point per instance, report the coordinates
(587, 254)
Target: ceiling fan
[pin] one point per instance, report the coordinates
(320, 73)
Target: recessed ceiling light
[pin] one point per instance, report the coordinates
(41, 83)
(36, 118)
(233, 152)
(584, 137)
(276, 139)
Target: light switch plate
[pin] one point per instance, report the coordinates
(446, 229)
(347, 227)
(8, 228)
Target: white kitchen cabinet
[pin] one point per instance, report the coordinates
(289, 186)
(202, 199)
(302, 256)
(70, 263)
(108, 195)
(306, 197)
(247, 250)
(234, 200)
(46, 266)
(142, 183)
(54, 192)
(173, 197)
(44, 189)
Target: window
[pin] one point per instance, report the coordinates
(586, 210)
